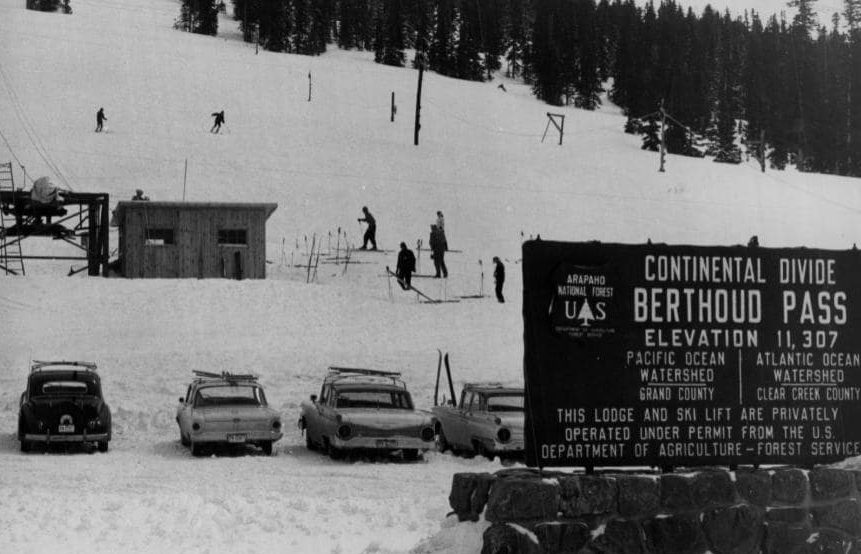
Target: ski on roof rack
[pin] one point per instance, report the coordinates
(39, 365)
(363, 371)
(226, 375)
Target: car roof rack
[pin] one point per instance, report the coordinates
(338, 373)
(39, 365)
(225, 376)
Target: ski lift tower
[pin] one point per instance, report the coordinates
(81, 215)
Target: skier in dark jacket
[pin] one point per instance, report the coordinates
(499, 277)
(370, 232)
(438, 246)
(406, 266)
(100, 119)
(219, 119)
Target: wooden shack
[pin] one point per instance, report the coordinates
(192, 239)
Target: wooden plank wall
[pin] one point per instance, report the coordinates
(195, 252)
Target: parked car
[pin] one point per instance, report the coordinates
(365, 410)
(226, 409)
(487, 421)
(63, 404)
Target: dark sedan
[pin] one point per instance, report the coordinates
(63, 404)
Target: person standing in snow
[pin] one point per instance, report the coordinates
(100, 119)
(406, 266)
(499, 278)
(440, 223)
(370, 232)
(219, 119)
(437, 246)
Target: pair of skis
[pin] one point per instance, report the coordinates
(443, 359)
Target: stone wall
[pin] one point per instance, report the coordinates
(775, 511)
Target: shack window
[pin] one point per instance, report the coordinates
(232, 237)
(159, 237)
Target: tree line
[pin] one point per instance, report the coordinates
(727, 83)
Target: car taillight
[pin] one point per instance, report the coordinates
(93, 424)
(427, 434)
(344, 432)
(503, 435)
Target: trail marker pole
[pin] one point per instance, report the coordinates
(394, 107)
(309, 86)
(663, 143)
(184, 179)
(419, 101)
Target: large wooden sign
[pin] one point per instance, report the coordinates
(683, 355)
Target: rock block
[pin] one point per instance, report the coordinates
(620, 536)
(588, 494)
(829, 483)
(827, 541)
(734, 530)
(789, 515)
(789, 486)
(844, 515)
(516, 499)
(676, 492)
(638, 496)
(566, 537)
(502, 538)
(754, 486)
(676, 534)
(712, 488)
(468, 494)
(786, 538)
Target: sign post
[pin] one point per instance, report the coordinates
(656, 355)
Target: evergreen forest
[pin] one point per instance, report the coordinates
(787, 90)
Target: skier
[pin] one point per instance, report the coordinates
(406, 266)
(437, 246)
(499, 278)
(219, 119)
(370, 232)
(139, 196)
(100, 119)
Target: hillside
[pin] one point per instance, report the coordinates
(480, 161)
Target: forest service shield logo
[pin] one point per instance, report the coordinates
(582, 302)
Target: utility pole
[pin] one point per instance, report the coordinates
(663, 144)
(421, 58)
(762, 150)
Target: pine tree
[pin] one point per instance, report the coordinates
(391, 34)
(468, 46)
(198, 16)
(441, 54)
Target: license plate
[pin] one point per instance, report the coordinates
(67, 428)
(236, 437)
(387, 443)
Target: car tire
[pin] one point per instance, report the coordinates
(442, 443)
(309, 444)
(103, 446)
(482, 451)
(196, 449)
(267, 447)
(26, 446)
(333, 452)
(411, 454)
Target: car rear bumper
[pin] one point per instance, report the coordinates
(382, 443)
(235, 437)
(95, 437)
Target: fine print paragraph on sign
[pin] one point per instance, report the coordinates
(683, 355)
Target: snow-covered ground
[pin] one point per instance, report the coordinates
(480, 161)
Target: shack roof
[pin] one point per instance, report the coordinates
(133, 205)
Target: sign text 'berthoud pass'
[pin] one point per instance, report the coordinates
(682, 355)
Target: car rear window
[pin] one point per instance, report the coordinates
(505, 403)
(230, 395)
(384, 399)
(62, 387)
